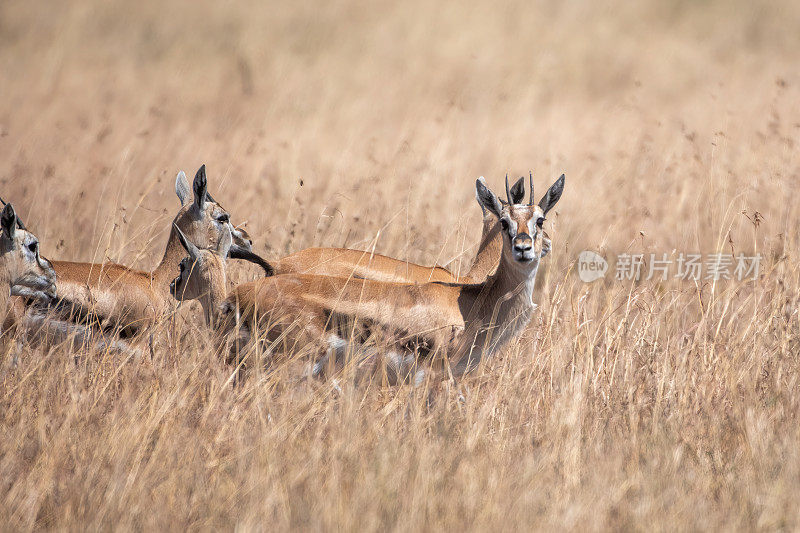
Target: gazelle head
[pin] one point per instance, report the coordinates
(203, 270)
(521, 223)
(204, 221)
(29, 274)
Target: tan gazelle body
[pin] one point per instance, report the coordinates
(119, 298)
(460, 322)
(345, 262)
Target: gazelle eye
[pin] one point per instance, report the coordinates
(33, 247)
(224, 219)
(540, 221)
(504, 224)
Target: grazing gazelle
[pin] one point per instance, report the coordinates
(25, 276)
(115, 297)
(23, 272)
(456, 323)
(345, 262)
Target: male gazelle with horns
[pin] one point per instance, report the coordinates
(456, 323)
(120, 299)
(345, 262)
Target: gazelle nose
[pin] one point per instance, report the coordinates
(523, 242)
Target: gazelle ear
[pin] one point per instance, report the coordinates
(8, 220)
(182, 188)
(225, 243)
(20, 224)
(517, 193)
(188, 245)
(552, 195)
(200, 187)
(486, 198)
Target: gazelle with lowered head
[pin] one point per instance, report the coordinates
(346, 262)
(117, 298)
(203, 275)
(456, 323)
(25, 276)
(23, 271)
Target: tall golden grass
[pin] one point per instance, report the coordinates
(663, 405)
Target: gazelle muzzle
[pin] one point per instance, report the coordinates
(522, 247)
(40, 286)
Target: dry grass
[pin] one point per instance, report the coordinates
(623, 406)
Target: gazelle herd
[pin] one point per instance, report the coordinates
(409, 320)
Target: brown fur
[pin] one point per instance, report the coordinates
(345, 263)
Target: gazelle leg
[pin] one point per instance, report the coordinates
(46, 331)
(401, 367)
(334, 346)
(16, 350)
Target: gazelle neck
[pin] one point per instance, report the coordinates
(512, 276)
(502, 308)
(489, 249)
(5, 299)
(213, 297)
(5, 283)
(509, 296)
(165, 272)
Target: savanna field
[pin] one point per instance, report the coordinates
(624, 405)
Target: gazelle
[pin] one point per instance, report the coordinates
(23, 272)
(459, 323)
(345, 262)
(202, 275)
(25, 276)
(127, 300)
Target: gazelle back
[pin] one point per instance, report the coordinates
(345, 262)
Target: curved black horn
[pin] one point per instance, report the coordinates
(530, 177)
(240, 253)
(508, 192)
